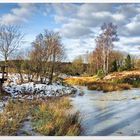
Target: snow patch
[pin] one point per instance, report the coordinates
(38, 90)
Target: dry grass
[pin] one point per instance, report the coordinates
(83, 81)
(94, 83)
(11, 119)
(122, 75)
(129, 77)
(52, 118)
(112, 82)
(108, 86)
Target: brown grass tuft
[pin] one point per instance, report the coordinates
(53, 118)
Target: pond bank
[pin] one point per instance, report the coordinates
(115, 81)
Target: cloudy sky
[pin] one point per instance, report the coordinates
(78, 24)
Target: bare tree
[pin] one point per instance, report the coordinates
(78, 65)
(105, 42)
(10, 39)
(55, 50)
(47, 50)
(37, 55)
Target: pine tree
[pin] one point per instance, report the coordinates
(114, 66)
(128, 62)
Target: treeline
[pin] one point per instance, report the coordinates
(118, 62)
(104, 58)
(47, 53)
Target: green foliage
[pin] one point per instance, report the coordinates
(114, 66)
(128, 63)
(121, 69)
(100, 73)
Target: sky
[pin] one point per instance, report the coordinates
(78, 24)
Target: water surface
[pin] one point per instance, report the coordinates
(105, 114)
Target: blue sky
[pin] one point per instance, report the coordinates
(78, 24)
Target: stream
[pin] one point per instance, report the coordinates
(109, 114)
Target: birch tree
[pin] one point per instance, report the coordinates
(105, 42)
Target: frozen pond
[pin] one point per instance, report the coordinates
(105, 114)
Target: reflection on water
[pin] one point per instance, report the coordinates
(115, 113)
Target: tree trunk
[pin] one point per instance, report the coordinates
(104, 60)
(5, 59)
(21, 77)
(52, 70)
(51, 74)
(107, 62)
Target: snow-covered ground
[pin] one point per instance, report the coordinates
(14, 78)
(1, 106)
(31, 90)
(38, 90)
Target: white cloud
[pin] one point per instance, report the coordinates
(80, 23)
(80, 20)
(129, 10)
(87, 19)
(65, 9)
(118, 16)
(73, 30)
(75, 47)
(133, 26)
(18, 15)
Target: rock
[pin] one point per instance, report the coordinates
(81, 93)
